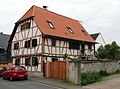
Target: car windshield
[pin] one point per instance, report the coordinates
(19, 68)
(1, 68)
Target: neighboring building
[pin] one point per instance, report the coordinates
(4, 38)
(99, 39)
(41, 35)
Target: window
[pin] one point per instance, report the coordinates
(83, 48)
(53, 42)
(25, 26)
(50, 24)
(19, 68)
(90, 46)
(34, 61)
(54, 59)
(17, 61)
(70, 30)
(84, 32)
(34, 42)
(74, 45)
(27, 44)
(16, 45)
(27, 61)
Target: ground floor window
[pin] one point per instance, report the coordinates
(27, 61)
(17, 61)
(34, 61)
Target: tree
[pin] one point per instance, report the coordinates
(109, 51)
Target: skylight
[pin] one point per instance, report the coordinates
(70, 30)
(50, 24)
(84, 32)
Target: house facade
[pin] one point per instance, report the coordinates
(99, 39)
(41, 35)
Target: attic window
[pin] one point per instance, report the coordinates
(70, 30)
(26, 25)
(84, 32)
(50, 24)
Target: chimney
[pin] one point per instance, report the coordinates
(45, 7)
(1, 32)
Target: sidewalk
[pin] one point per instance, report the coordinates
(54, 82)
(111, 82)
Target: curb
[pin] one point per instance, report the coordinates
(47, 83)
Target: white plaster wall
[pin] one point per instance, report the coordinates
(100, 41)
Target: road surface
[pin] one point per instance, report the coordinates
(24, 84)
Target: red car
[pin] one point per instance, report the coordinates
(2, 69)
(16, 72)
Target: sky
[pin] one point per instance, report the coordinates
(95, 15)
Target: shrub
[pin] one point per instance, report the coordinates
(92, 77)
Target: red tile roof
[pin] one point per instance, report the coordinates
(41, 16)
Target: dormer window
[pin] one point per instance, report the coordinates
(70, 30)
(50, 24)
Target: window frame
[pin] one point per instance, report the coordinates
(51, 24)
(28, 63)
(70, 30)
(27, 44)
(34, 42)
(17, 61)
(35, 61)
(53, 42)
(74, 45)
(26, 25)
(16, 46)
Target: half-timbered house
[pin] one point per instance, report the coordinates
(41, 35)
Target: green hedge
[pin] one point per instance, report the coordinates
(92, 77)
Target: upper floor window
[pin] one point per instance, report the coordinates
(53, 41)
(16, 45)
(30, 43)
(70, 30)
(50, 24)
(74, 45)
(25, 26)
(27, 44)
(34, 42)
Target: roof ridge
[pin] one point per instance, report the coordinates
(27, 12)
(56, 13)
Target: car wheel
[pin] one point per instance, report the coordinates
(4, 77)
(11, 78)
(26, 78)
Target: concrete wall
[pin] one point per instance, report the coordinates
(97, 65)
(74, 72)
(75, 68)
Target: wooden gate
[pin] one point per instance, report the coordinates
(58, 69)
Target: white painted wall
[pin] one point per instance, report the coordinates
(21, 37)
(100, 41)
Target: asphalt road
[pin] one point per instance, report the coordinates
(24, 84)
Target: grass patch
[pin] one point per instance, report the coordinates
(92, 77)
